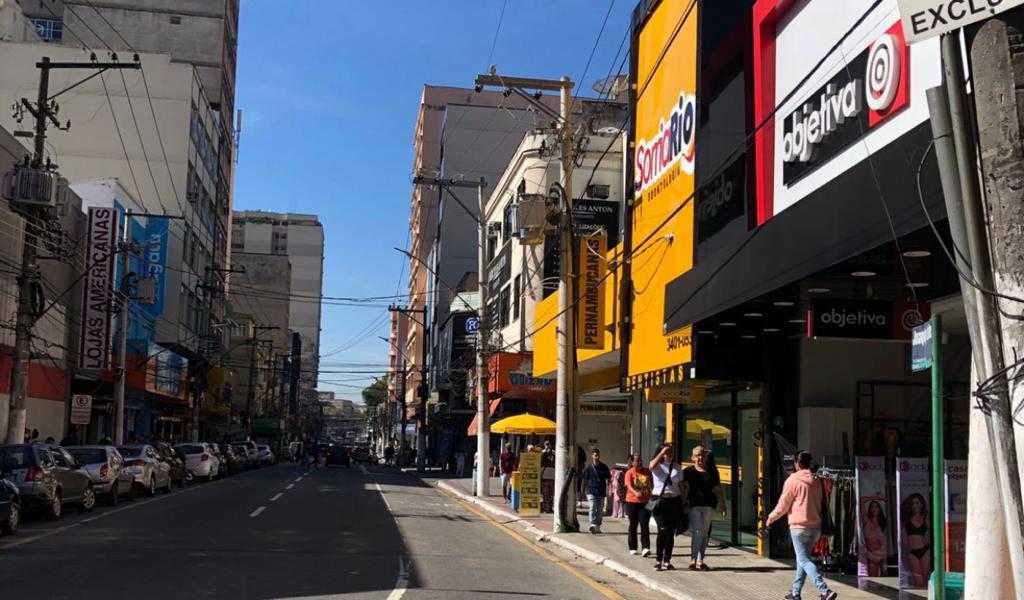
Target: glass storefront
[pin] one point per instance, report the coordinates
(729, 423)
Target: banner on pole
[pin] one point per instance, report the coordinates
(590, 313)
(97, 289)
(529, 482)
(873, 517)
(956, 515)
(913, 488)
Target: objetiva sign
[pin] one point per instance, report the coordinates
(97, 291)
(923, 19)
(864, 319)
(870, 88)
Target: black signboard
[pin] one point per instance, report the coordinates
(864, 319)
(458, 340)
(499, 270)
(723, 200)
(552, 260)
(590, 217)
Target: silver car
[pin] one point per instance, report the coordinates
(107, 470)
(150, 472)
(266, 455)
(200, 460)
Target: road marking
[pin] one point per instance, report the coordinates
(401, 583)
(37, 537)
(289, 486)
(384, 498)
(600, 588)
(298, 479)
(363, 469)
(89, 519)
(276, 496)
(257, 512)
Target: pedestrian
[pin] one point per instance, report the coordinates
(35, 435)
(668, 488)
(638, 481)
(506, 464)
(596, 478)
(801, 501)
(389, 454)
(106, 441)
(547, 478)
(460, 464)
(50, 440)
(69, 440)
(704, 495)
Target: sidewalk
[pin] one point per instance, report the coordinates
(737, 574)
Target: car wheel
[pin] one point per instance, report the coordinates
(167, 490)
(151, 490)
(113, 498)
(10, 526)
(56, 508)
(132, 492)
(190, 477)
(88, 499)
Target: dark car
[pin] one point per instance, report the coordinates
(232, 462)
(47, 477)
(10, 508)
(362, 455)
(338, 455)
(175, 461)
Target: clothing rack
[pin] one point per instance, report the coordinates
(835, 474)
(839, 553)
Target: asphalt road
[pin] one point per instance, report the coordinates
(284, 532)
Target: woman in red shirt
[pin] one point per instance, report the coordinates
(638, 492)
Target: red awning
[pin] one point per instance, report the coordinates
(476, 418)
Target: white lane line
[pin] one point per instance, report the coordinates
(298, 479)
(384, 498)
(276, 496)
(289, 486)
(257, 512)
(89, 519)
(401, 583)
(363, 469)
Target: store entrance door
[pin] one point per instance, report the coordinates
(729, 423)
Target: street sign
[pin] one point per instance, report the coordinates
(81, 409)
(923, 19)
(921, 348)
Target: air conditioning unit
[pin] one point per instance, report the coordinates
(493, 229)
(27, 188)
(531, 218)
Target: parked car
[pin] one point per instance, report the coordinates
(10, 508)
(266, 455)
(107, 470)
(295, 451)
(232, 462)
(47, 477)
(151, 474)
(338, 455)
(362, 455)
(199, 461)
(248, 449)
(222, 463)
(175, 463)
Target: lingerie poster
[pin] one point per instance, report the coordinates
(913, 488)
(873, 517)
(956, 514)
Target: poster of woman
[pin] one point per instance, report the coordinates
(872, 517)
(915, 522)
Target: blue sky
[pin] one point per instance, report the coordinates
(330, 92)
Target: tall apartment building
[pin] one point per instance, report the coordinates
(300, 238)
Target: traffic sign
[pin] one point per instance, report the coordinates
(923, 19)
(81, 409)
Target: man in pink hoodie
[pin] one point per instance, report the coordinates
(801, 500)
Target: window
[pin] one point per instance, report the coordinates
(506, 223)
(51, 30)
(503, 308)
(516, 295)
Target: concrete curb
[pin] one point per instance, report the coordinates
(576, 549)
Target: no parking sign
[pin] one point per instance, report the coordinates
(81, 409)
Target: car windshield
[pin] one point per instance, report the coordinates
(89, 456)
(192, 449)
(264, 447)
(17, 457)
(127, 452)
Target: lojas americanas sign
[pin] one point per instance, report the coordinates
(97, 290)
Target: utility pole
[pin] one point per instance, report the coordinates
(483, 415)
(565, 399)
(422, 390)
(36, 205)
(250, 395)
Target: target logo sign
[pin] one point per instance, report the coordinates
(887, 75)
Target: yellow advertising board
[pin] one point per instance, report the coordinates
(663, 182)
(590, 311)
(529, 482)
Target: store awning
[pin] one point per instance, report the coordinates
(476, 418)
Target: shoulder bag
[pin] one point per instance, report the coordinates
(655, 505)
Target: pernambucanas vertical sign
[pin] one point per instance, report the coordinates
(923, 19)
(590, 311)
(97, 289)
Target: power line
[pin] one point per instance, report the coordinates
(497, 30)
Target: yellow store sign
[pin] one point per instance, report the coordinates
(663, 183)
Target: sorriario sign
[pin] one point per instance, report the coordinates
(672, 146)
(869, 89)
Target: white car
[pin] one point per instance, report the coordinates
(151, 473)
(200, 461)
(266, 455)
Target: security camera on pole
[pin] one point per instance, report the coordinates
(565, 407)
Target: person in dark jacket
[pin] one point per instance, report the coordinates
(595, 479)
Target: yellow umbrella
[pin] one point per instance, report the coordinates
(524, 424)
(695, 427)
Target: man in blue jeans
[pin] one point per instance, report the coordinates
(596, 477)
(801, 501)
